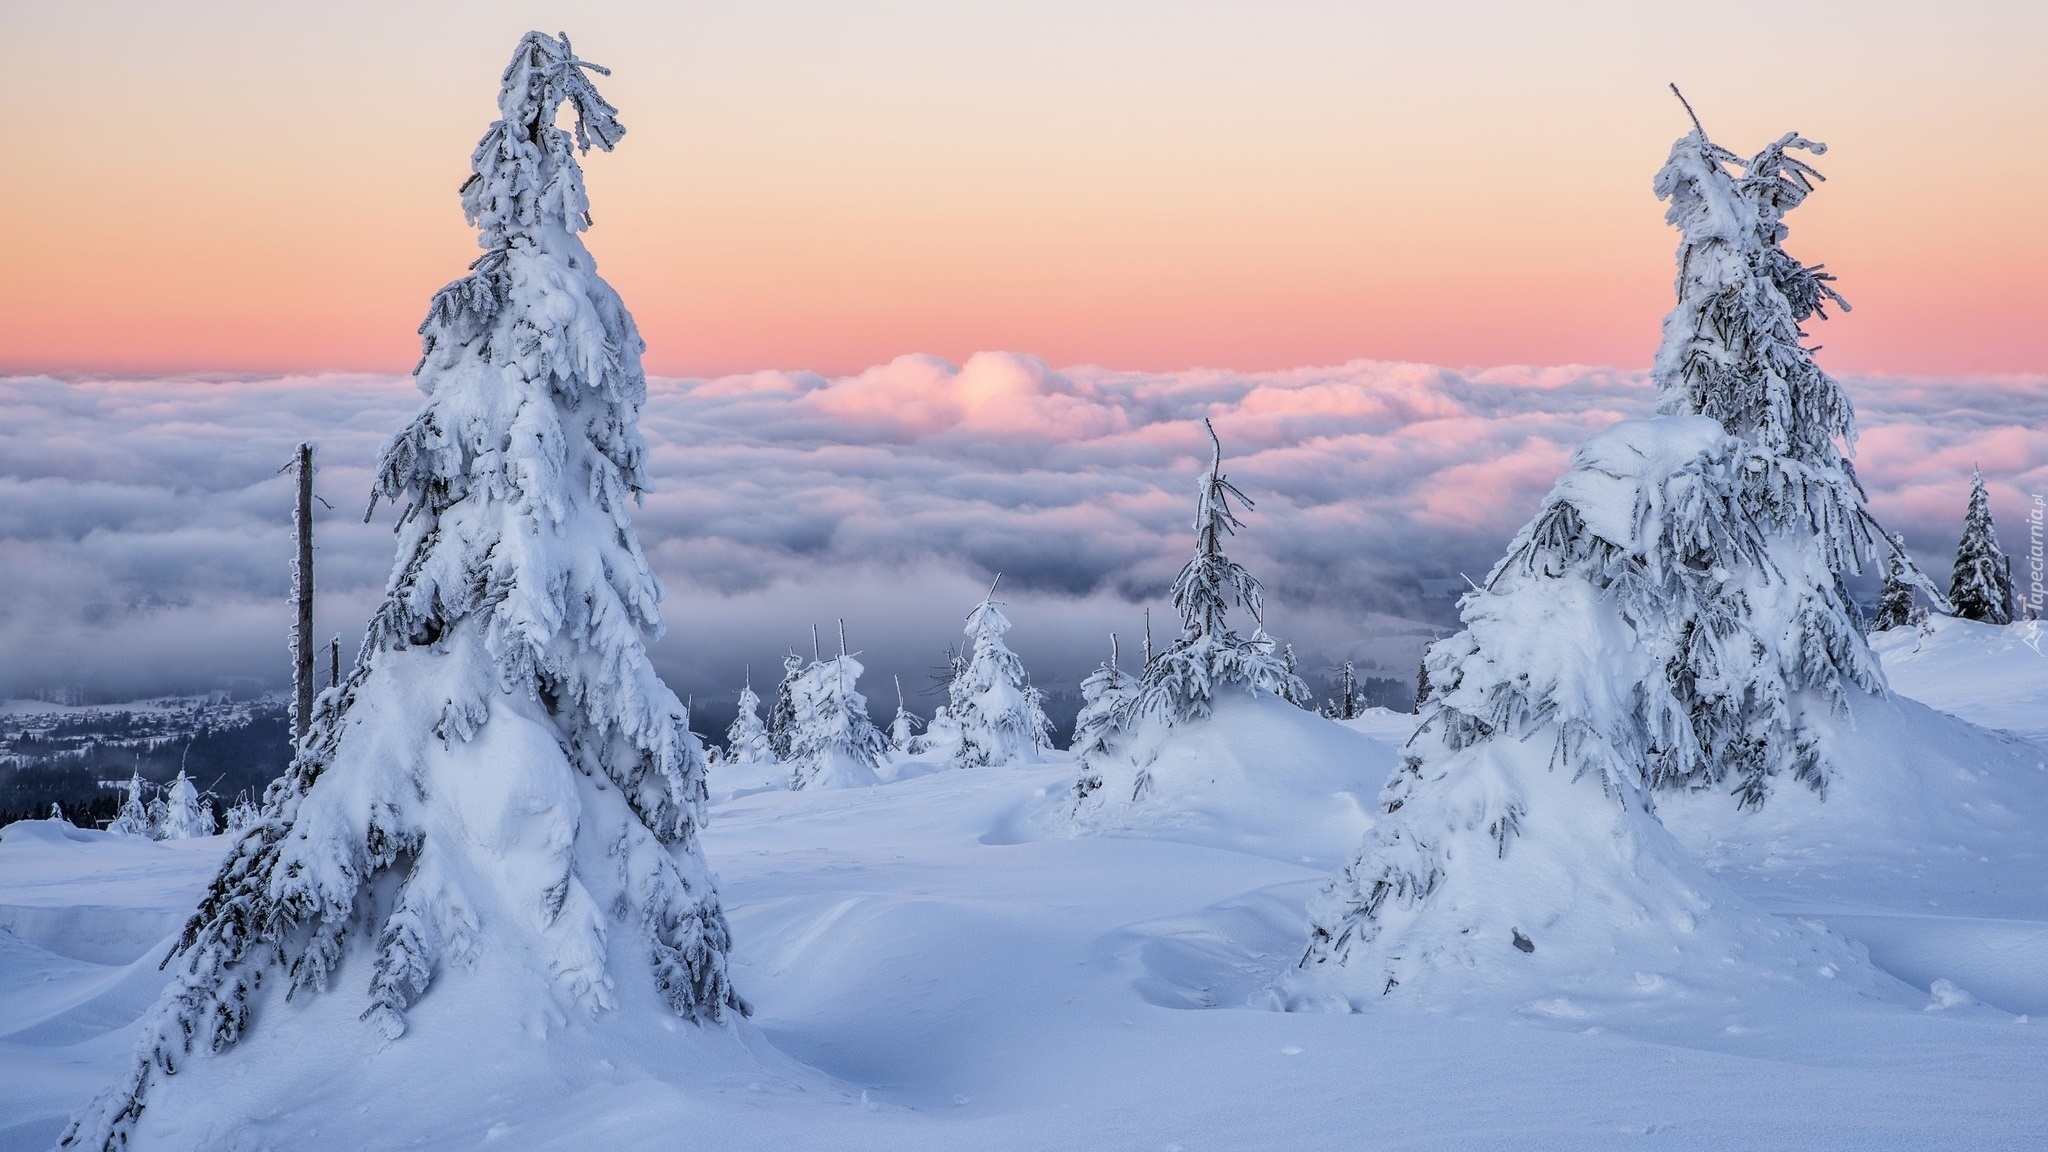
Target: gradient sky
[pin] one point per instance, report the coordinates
(270, 187)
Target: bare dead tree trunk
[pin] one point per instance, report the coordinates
(303, 645)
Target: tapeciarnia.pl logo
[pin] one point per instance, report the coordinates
(2037, 572)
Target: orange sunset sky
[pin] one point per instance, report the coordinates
(230, 187)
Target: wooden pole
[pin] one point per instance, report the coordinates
(302, 598)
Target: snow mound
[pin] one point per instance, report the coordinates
(1258, 775)
(1224, 956)
(1996, 675)
(1926, 849)
(485, 1043)
(54, 870)
(1928, 796)
(1583, 912)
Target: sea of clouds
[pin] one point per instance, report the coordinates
(144, 525)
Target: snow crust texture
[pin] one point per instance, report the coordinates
(955, 975)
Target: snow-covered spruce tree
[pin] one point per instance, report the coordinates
(1103, 693)
(57, 814)
(940, 736)
(242, 815)
(1040, 723)
(832, 742)
(1345, 706)
(503, 793)
(133, 818)
(999, 722)
(1895, 597)
(746, 738)
(1733, 351)
(1518, 839)
(1981, 588)
(1674, 617)
(1181, 682)
(184, 817)
(1305, 699)
(903, 727)
(1210, 656)
(782, 717)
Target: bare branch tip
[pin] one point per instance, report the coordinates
(1697, 127)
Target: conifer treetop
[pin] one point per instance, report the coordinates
(987, 619)
(1179, 683)
(995, 713)
(1733, 348)
(501, 198)
(1981, 588)
(1210, 584)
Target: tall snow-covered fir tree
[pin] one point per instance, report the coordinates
(185, 818)
(832, 742)
(1180, 683)
(782, 717)
(1104, 693)
(1000, 720)
(1347, 703)
(943, 736)
(502, 785)
(746, 738)
(1306, 698)
(1895, 597)
(1673, 617)
(903, 726)
(1518, 837)
(242, 815)
(1782, 645)
(1210, 656)
(1981, 588)
(1041, 724)
(133, 818)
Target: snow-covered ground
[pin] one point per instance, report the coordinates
(1986, 674)
(957, 973)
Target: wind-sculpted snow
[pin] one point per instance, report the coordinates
(144, 531)
(955, 978)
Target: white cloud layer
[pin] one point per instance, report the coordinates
(144, 528)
